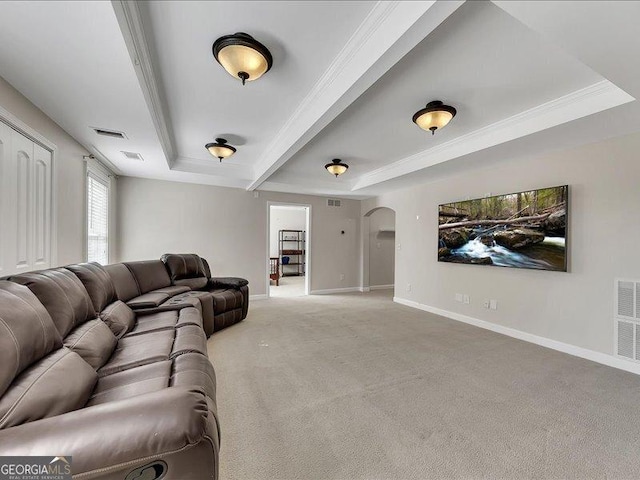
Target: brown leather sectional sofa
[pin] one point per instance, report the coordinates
(109, 365)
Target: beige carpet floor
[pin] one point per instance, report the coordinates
(357, 387)
(289, 287)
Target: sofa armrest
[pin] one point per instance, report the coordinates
(110, 435)
(227, 282)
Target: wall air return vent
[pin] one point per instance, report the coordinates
(627, 319)
(334, 202)
(109, 133)
(133, 156)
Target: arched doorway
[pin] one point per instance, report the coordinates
(379, 248)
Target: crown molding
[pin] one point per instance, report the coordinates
(131, 25)
(586, 101)
(317, 188)
(390, 30)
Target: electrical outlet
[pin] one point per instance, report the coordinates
(417, 217)
(399, 247)
(458, 297)
(342, 276)
(493, 304)
(408, 287)
(486, 304)
(466, 299)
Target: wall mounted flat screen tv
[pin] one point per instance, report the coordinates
(521, 230)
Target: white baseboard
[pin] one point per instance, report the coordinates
(598, 357)
(258, 297)
(381, 287)
(335, 290)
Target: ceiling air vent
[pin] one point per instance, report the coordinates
(133, 156)
(109, 133)
(333, 202)
(627, 318)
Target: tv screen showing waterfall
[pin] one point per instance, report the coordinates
(521, 230)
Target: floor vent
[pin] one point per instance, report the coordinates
(333, 202)
(133, 156)
(109, 133)
(627, 319)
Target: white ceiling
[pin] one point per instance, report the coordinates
(526, 77)
(481, 60)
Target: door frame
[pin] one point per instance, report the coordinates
(307, 247)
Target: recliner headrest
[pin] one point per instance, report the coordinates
(97, 282)
(186, 269)
(62, 294)
(27, 332)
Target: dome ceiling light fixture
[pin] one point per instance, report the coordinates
(242, 56)
(436, 115)
(336, 167)
(220, 149)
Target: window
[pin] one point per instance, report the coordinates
(97, 218)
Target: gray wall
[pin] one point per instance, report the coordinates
(69, 169)
(575, 307)
(382, 223)
(228, 227)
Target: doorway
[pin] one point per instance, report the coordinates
(288, 250)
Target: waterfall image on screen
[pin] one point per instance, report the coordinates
(522, 230)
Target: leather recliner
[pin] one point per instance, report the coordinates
(128, 394)
(230, 294)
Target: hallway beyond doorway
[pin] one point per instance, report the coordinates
(289, 287)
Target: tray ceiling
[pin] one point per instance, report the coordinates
(347, 77)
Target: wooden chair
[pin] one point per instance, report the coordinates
(274, 272)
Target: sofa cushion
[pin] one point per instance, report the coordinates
(173, 290)
(139, 350)
(123, 281)
(193, 369)
(62, 294)
(149, 274)
(189, 339)
(97, 282)
(58, 383)
(189, 316)
(197, 283)
(148, 300)
(93, 341)
(132, 382)
(119, 317)
(27, 332)
(150, 322)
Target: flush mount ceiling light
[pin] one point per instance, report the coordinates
(436, 115)
(336, 167)
(242, 56)
(220, 149)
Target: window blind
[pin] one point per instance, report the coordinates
(97, 220)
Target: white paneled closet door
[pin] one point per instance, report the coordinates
(25, 235)
(42, 208)
(5, 149)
